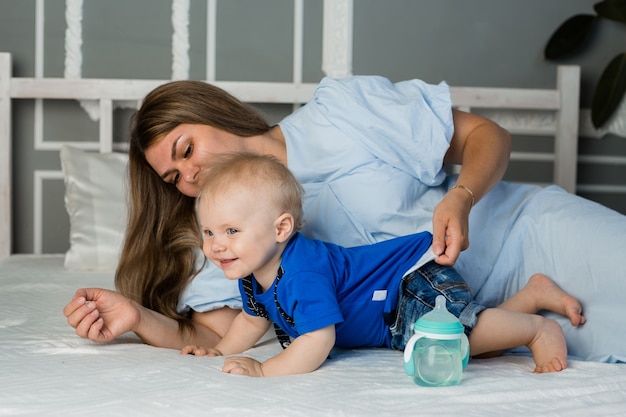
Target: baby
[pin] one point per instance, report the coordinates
(322, 295)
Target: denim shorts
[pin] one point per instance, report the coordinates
(418, 291)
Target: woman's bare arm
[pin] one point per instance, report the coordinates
(102, 315)
(482, 148)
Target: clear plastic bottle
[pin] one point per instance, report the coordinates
(437, 353)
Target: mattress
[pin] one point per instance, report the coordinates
(46, 370)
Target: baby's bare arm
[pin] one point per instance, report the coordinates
(305, 354)
(243, 334)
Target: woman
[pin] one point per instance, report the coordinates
(370, 156)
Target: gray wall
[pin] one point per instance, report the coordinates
(475, 43)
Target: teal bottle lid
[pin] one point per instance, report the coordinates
(439, 320)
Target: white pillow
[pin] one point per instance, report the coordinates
(95, 199)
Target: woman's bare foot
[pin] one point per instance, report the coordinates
(549, 348)
(541, 293)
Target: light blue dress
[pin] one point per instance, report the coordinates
(369, 154)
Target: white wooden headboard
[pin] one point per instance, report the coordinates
(560, 119)
(561, 123)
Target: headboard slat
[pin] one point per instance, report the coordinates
(106, 126)
(116, 89)
(566, 141)
(509, 98)
(5, 156)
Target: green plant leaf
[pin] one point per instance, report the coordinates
(570, 36)
(612, 9)
(609, 91)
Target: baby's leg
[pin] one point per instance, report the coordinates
(499, 329)
(541, 293)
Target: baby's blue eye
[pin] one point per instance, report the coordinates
(208, 233)
(231, 231)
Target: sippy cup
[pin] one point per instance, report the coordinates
(437, 353)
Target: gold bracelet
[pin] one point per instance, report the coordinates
(466, 188)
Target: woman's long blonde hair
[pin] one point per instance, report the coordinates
(162, 241)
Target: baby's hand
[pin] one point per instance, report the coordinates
(242, 366)
(199, 351)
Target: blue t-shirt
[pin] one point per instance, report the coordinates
(352, 288)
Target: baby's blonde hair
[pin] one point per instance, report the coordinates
(263, 174)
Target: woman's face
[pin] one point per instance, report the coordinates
(181, 155)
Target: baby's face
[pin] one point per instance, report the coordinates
(238, 231)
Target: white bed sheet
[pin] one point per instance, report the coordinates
(45, 369)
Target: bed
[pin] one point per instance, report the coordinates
(45, 369)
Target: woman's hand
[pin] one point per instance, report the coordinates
(101, 315)
(451, 226)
